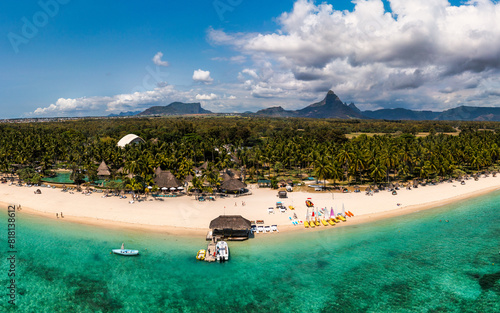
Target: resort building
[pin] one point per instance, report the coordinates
(233, 186)
(231, 227)
(129, 139)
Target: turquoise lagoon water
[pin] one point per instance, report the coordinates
(414, 263)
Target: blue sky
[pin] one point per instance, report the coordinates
(80, 58)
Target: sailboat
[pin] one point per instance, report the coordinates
(329, 217)
(341, 215)
(306, 222)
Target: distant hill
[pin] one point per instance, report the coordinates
(401, 114)
(329, 107)
(466, 113)
(175, 108)
(276, 112)
(332, 107)
(121, 114)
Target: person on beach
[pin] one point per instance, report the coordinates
(57, 215)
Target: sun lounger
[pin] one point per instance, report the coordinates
(267, 229)
(270, 210)
(274, 228)
(260, 229)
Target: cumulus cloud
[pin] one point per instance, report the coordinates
(158, 61)
(211, 96)
(117, 103)
(202, 76)
(372, 56)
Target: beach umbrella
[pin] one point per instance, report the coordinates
(180, 188)
(173, 189)
(149, 187)
(164, 188)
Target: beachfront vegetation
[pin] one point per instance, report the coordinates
(381, 151)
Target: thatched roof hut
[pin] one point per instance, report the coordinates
(103, 170)
(233, 185)
(166, 179)
(232, 227)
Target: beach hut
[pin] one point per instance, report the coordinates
(233, 186)
(231, 227)
(103, 171)
(165, 179)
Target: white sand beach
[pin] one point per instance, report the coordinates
(185, 215)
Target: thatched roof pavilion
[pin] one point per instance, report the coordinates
(233, 185)
(232, 227)
(103, 170)
(166, 179)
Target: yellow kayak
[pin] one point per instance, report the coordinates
(341, 218)
(311, 224)
(317, 223)
(331, 222)
(306, 224)
(325, 223)
(291, 207)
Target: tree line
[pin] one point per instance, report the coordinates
(261, 147)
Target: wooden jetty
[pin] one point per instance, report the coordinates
(211, 252)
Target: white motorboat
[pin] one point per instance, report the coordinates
(124, 251)
(222, 251)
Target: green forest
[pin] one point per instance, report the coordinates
(262, 148)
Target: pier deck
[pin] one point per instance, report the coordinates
(211, 250)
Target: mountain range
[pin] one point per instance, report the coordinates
(332, 107)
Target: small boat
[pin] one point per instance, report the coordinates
(291, 207)
(339, 216)
(331, 222)
(306, 224)
(317, 223)
(350, 213)
(325, 223)
(201, 254)
(267, 229)
(222, 251)
(124, 251)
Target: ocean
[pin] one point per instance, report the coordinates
(441, 260)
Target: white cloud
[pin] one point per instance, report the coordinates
(374, 57)
(202, 76)
(211, 96)
(113, 104)
(158, 61)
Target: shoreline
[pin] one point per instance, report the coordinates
(151, 216)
